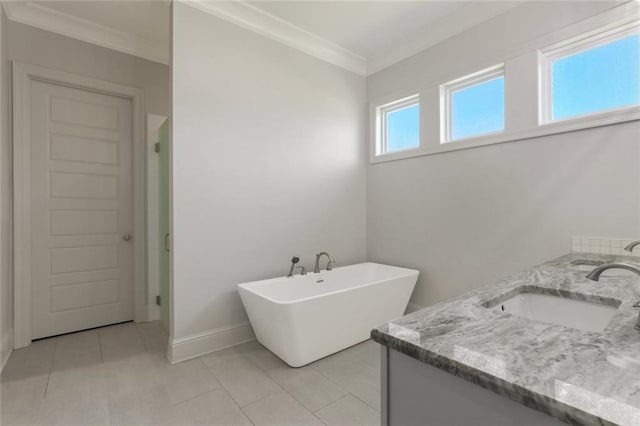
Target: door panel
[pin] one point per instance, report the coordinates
(81, 207)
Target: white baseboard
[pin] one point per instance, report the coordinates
(412, 307)
(193, 346)
(6, 347)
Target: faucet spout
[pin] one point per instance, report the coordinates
(316, 269)
(595, 274)
(632, 245)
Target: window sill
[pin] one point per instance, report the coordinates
(569, 125)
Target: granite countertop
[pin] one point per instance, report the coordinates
(580, 377)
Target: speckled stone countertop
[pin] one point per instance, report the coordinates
(580, 377)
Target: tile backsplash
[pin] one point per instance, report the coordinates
(602, 246)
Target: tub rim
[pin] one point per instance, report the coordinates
(247, 285)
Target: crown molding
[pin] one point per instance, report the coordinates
(48, 19)
(254, 19)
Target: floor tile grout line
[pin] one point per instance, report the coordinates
(237, 405)
(348, 393)
(144, 345)
(246, 415)
(100, 345)
(342, 397)
(364, 402)
(206, 367)
(46, 388)
(294, 398)
(319, 419)
(259, 399)
(175, 404)
(227, 390)
(235, 402)
(301, 403)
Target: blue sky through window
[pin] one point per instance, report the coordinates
(403, 128)
(600, 78)
(478, 109)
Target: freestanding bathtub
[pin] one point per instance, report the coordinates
(305, 318)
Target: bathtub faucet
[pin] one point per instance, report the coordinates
(294, 260)
(316, 269)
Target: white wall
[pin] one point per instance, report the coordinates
(467, 217)
(268, 162)
(34, 46)
(6, 233)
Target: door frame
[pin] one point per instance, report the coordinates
(154, 122)
(23, 75)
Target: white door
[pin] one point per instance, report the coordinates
(81, 209)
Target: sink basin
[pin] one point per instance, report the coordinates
(572, 313)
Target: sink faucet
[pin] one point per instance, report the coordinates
(595, 276)
(316, 269)
(632, 245)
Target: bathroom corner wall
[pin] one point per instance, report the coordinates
(268, 162)
(6, 200)
(465, 218)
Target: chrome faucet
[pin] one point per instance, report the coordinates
(632, 245)
(595, 276)
(316, 269)
(294, 260)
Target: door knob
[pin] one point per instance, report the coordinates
(126, 237)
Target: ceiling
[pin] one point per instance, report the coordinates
(363, 36)
(361, 27)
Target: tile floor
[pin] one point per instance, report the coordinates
(119, 375)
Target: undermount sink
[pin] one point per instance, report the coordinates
(588, 316)
(588, 266)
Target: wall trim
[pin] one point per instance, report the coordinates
(195, 345)
(154, 122)
(6, 348)
(607, 118)
(23, 74)
(39, 16)
(257, 20)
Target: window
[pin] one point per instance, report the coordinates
(473, 105)
(595, 74)
(398, 126)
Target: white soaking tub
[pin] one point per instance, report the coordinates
(305, 318)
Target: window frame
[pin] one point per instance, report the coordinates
(381, 124)
(446, 104)
(579, 44)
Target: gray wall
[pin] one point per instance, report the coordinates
(38, 47)
(6, 232)
(268, 162)
(464, 218)
(30, 45)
